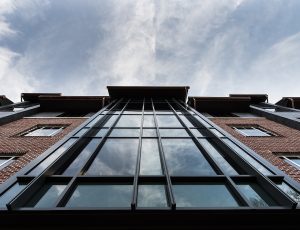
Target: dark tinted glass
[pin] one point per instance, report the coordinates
(152, 196)
(101, 196)
(185, 159)
(168, 121)
(150, 160)
(255, 195)
(203, 195)
(82, 157)
(289, 191)
(117, 157)
(46, 196)
(10, 194)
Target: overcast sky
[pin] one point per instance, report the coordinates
(78, 47)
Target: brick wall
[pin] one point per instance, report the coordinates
(288, 140)
(29, 147)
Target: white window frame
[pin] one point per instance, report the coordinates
(56, 129)
(291, 162)
(7, 162)
(239, 129)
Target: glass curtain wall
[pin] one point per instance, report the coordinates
(148, 154)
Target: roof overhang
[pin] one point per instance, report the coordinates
(255, 98)
(34, 97)
(72, 103)
(165, 92)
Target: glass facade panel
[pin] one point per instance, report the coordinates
(101, 196)
(46, 196)
(248, 158)
(129, 121)
(185, 159)
(173, 133)
(150, 159)
(214, 153)
(117, 157)
(148, 121)
(186, 120)
(110, 121)
(168, 121)
(125, 133)
(255, 195)
(149, 133)
(10, 194)
(50, 159)
(81, 158)
(152, 196)
(218, 134)
(203, 195)
(81, 132)
(289, 191)
(93, 122)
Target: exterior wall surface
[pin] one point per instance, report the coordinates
(28, 148)
(286, 141)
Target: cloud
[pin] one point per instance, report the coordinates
(217, 47)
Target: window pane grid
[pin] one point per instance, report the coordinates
(153, 190)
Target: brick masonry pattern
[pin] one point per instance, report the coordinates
(28, 148)
(287, 141)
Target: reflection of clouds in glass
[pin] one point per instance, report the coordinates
(203, 195)
(168, 121)
(152, 196)
(184, 158)
(148, 121)
(150, 160)
(93, 195)
(289, 191)
(129, 121)
(252, 196)
(50, 196)
(117, 157)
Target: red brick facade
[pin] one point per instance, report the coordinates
(286, 141)
(28, 148)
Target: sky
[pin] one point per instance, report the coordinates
(217, 47)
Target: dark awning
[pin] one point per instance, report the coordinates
(177, 92)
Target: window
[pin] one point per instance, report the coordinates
(253, 131)
(5, 160)
(43, 131)
(292, 158)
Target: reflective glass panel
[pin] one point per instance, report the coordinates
(81, 158)
(289, 191)
(218, 134)
(173, 133)
(10, 194)
(214, 153)
(149, 133)
(168, 121)
(248, 158)
(117, 157)
(129, 121)
(203, 195)
(46, 196)
(152, 196)
(185, 159)
(101, 196)
(148, 121)
(186, 121)
(81, 132)
(125, 133)
(252, 132)
(50, 159)
(255, 195)
(110, 121)
(93, 122)
(150, 160)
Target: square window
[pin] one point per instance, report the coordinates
(43, 131)
(253, 131)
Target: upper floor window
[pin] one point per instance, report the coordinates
(252, 131)
(6, 160)
(43, 131)
(292, 159)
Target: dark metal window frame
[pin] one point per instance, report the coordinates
(230, 155)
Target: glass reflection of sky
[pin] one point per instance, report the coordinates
(168, 121)
(129, 121)
(150, 160)
(148, 121)
(117, 157)
(203, 195)
(101, 196)
(152, 196)
(185, 159)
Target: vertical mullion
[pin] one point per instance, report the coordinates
(232, 185)
(138, 163)
(62, 198)
(163, 160)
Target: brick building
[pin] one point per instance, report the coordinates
(149, 157)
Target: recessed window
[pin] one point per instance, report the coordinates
(43, 131)
(292, 159)
(6, 160)
(252, 131)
